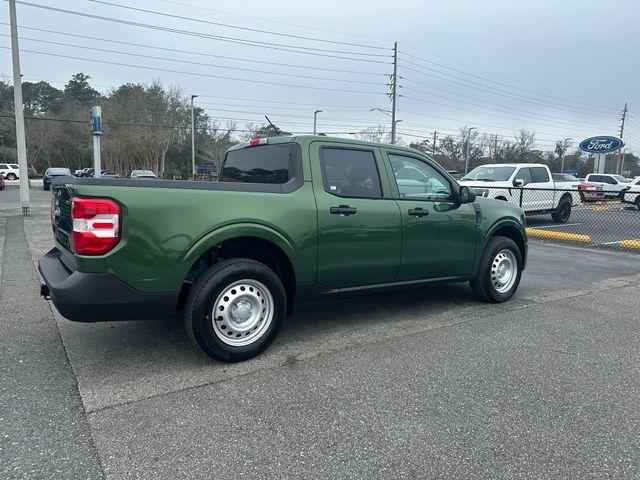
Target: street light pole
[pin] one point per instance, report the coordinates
(466, 151)
(193, 140)
(21, 142)
(315, 120)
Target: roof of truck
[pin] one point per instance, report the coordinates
(310, 138)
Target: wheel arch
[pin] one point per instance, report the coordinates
(510, 229)
(256, 242)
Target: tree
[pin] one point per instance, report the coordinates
(79, 91)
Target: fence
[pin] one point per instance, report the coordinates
(589, 217)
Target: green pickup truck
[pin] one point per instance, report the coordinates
(292, 219)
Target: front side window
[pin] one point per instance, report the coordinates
(14, 167)
(418, 180)
(3, 167)
(539, 174)
(350, 173)
(260, 164)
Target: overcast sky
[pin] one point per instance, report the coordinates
(560, 68)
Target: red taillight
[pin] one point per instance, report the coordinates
(96, 225)
(258, 141)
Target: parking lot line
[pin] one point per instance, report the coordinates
(559, 225)
(571, 237)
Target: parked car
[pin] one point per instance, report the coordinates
(632, 194)
(529, 185)
(52, 173)
(612, 185)
(1, 181)
(10, 171)
(110, 175)
(304, 218)
(143, 174)
(588, 191)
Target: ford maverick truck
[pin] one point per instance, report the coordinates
(291, 219)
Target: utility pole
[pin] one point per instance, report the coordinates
(495, 148)
(21, 141)
(624, 117)
(394, 91)
(193, 140)
(315, 120)
(433, 148)
(565, 145)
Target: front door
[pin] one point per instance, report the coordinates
(439, 235)
(359, 225)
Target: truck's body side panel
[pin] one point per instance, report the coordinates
(163, 227)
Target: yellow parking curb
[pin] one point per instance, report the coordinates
(630, 244)
(571, 237)
(601, 209)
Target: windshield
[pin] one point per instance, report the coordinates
(620, 178)
(488, 173)
(58, 171)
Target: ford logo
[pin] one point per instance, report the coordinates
(602, 144)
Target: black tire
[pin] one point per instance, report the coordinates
(562, 212)
(637, 202)
(207, 290)
(45, 187)
(483, 286)
(11, 176)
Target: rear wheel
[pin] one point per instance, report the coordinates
(563, 211)
(11, 176)
(499, 272)
(235, 309)
(637, 202)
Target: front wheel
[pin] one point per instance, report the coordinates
(562, 212)
(499, 272)
(11, 176)
(235, 309)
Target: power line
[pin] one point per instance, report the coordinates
(269, 45)
(497, 91)
(153, 57)
(181, 72)
(191, 52)
(558, 123)
(501, 83)
(208, 22)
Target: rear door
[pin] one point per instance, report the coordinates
(539, 194)
(359, 226)
(439, 235)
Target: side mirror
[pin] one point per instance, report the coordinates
(466, 195)
(518, 182)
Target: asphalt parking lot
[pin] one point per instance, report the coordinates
(608, 225)
(421, 384)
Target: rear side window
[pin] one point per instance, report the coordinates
(350, 173)
(524, 174)
(3, 167)
(261, 164)
(539, 174)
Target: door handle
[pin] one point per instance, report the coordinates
(418, 212)
(345, 210)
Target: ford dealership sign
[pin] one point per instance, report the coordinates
(602, 144)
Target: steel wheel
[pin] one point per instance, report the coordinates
(242, 312)
(504, 271)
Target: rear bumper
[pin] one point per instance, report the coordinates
(99, 297)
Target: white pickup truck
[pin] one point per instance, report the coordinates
(529, 185)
